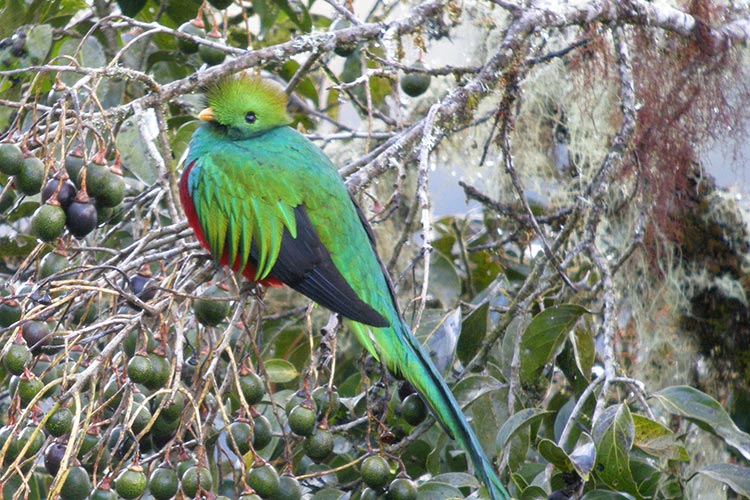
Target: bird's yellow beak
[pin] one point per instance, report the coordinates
(207, 115)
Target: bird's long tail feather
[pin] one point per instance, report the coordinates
(402, 354)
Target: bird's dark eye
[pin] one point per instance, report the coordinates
(250, 117)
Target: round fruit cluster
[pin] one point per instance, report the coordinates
(77, 206)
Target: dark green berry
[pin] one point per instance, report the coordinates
(211, 55)
(10, 312)
(29, 179)
(289, 489)
(131, 483)
(190, 28)
(77, 485)
(262, 434)
(319, 445)
(11, 159)
(163, 483)
(60, 422)
(48, 222)
(196, 477)
(402, 489)
(17, 358)
(375, 472)
(413, 409)
(140, 369)
(264, 480)
(302, 420)
(241, 433)
(416, 84)
(252, 388)
(210, 309)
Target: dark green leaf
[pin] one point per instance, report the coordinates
(137, 148)
(534, 492)
(435, 490)
(584, 349)
(182, 10)
(280, 371)
(472, 387)
(555, 455)
(544, 336)
(131, 8)
(20, 245)
(306, 87)
(606, 495)
(457, 479)
(657, 440)
(268, 11)
(329, 494)
(296, 12)
(583, 456)
(445, 284)
(704, 410)
(613, 434)
(38, 42)
(439, 335)
(517, 421)
(473, 332)
(735, 476)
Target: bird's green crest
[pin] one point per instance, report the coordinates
(247, 105)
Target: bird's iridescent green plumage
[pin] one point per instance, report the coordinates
(258, 192)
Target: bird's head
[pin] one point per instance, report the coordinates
(245, 105)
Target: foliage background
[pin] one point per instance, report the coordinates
(590, 306)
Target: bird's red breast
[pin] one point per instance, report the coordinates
(192, 218)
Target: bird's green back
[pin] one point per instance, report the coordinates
(246, 190)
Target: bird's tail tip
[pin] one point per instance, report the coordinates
(495, 488)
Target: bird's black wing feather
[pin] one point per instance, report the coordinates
(305, 265)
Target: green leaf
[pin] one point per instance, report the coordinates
(182, 137)
(555, 455)
(705, 411)
(734, 476)
(280, 371)
(473, 332)
(657, 440)
(137, 154)
(584, 350)
(329, 494)
(613, 434)
(90, 55)
(534, 492)
(183, 10)
(458, 479)
(435, 490)
(606, 495)
(38, 42)
(12, 15)
(268, 11)
(306, 87)
(438, 332)
(131, 8)
(445, 284)
(19, 245)
(296, 12)
(472, 387)
(583, 456)
(544, 336)
(518, 420)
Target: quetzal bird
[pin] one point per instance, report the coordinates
(265, 200)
